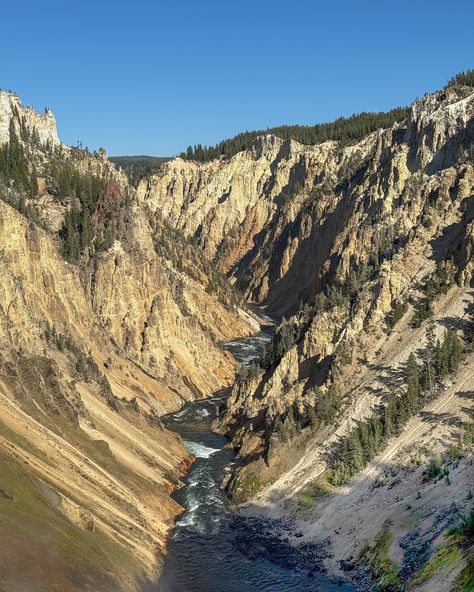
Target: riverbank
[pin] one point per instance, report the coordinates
(213, 549)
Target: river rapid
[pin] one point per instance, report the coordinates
(205, 551)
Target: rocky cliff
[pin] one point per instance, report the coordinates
(105, 324)
(371, 260)
(358, 246)
(80, 433)
(39, 125)
(357, 249)
(256, 213)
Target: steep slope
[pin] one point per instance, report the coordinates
(78, 425)
(392, 241)
(267, 211)
(400, 241)
(108, 318)
(357, 246)
(395, 492)
(162, 303)
(112, 310)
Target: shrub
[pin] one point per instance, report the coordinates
(435, 468)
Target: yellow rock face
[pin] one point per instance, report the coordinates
(84, 374)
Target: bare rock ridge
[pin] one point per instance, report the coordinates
(105, 324)
(40, 125)
(254, 213)
(366, 249)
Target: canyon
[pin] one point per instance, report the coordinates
(363, 252)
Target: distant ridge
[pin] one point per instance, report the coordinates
(137, 167)
(346, 130)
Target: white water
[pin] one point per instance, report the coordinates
(203, 555)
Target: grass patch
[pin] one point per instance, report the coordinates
(465, 580)
(448, 556)
(250, 485)
(384, 571)
(316, 489)
(29, 514)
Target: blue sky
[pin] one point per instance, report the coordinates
(149, 77)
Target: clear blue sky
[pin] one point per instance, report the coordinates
(151, 77)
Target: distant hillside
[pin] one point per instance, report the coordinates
(137, 167)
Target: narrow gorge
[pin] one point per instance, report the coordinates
(251, 370)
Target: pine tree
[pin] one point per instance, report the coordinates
(427, 378)
(290, 424)
(313, 418)
(70, 232)
(376, 434)
(356, 452)
(455, 350)
(389, 417)
(413, 385)
(441, 363)
(344, 129)
(278, 428)
(366, 441)
(34, 182)
(402, 413)
(86, 229)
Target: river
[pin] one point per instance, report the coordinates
(202, 553)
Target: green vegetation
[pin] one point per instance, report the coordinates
(463, 78)
(370, 437)
(287, 427)
(447, 356)
(84, 364)
(383, 570)
(17, 200)
(459, 540)
(14, 165)
(435, 469)
(314, 490)
(36, 521)
(343, 294)
(187, 257)
(465, 580)
(286, 335)
(248, 372)
(465, 529)
(438, 283)
(138, 167)
(389, 578)
(467, 438)
(346, 130)
(249, 486)
(84, 191)
(465, 539)
(448, 556)
(398, 310)
(326, 406)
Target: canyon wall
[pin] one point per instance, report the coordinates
(91, 354)
(352, 261)
(264, 212)
(42, 125)
(350, 244)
